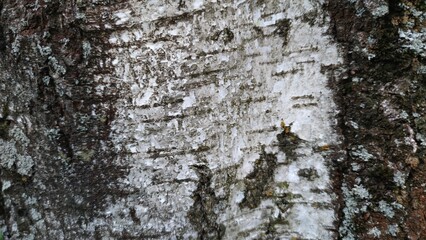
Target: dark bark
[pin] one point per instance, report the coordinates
(382, 101)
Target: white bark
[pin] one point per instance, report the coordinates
(210, 85)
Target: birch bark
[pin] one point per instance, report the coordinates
(196, 119)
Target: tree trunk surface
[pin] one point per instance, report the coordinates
(213, 119)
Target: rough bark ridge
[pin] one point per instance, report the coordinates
(382, 102)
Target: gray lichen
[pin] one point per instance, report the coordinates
(58, 69)
(44, 51)
(399, 178)
(356, 202)
(393, 230)
(386, 209)
(86, 49)
(10, 158)
(361, 153)
(375, 232)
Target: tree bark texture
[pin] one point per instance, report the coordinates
(196, 119)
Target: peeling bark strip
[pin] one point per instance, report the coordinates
(382, 101)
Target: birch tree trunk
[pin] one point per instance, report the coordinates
(212, 119)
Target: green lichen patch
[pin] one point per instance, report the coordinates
(283, 185)
(85, 155)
